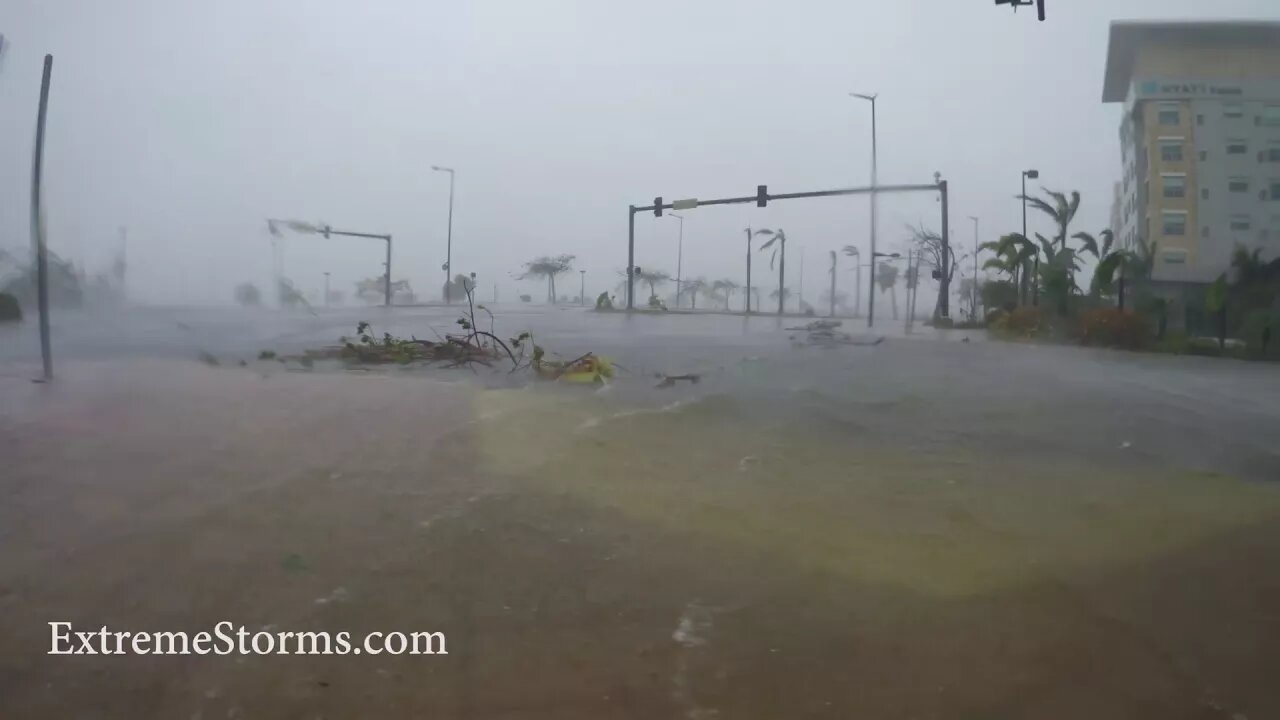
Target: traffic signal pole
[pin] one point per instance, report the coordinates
(761, 199)
(327, 231)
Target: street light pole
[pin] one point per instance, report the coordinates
(1033, 174)
(974, 307)
(448, 248)
(679, 258)
(871, 296)
(582, 288)
(37, 225)
(326, 289)
(748, 295)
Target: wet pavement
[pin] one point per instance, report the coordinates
(924, 528)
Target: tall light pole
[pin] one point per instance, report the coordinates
(679, 257)
(448, 248)
(974, 307)
(871, 296)
(1033, 174)
(582, 288)
(748, 296)
(326, 289)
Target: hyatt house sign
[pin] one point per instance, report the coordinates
(1145, 89)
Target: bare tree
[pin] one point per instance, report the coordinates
(935, 253)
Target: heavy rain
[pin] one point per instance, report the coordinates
(698, 360)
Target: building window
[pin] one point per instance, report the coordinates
(1241, 222)
(1204, 155)
(1175, 223)
(1273, 154)
(1204, 231)
(1237, 147)
(1174, 257)
(1270, 116)
(1169, 114)
(1233, 110)
(1175, 186)
(1200, 119)
(1204, 193)
(1171, 150)
(1275, 191)
(1238, 185)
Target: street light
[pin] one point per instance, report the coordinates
(679, 256)
(974, 218)
(448, 249)
(1033, 174)
(871, 295)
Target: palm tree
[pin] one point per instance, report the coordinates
(778, 241)
(1058, 272)
(693, 287)
(1062, 211)
(725, 289)
(785, 294)
(1013, 256)
(1136, 264)
(548, 266)
(654, 278)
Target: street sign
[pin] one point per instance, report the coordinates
(687, 204)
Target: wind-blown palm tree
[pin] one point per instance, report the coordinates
(1062, 210)
(548, 266)
(724, 289)
(693, 287)
(777, 241)
(1013, 256)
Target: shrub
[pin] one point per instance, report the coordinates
(1109, 327)
(1253, 327)
(10, 310)
(999, 294)
(1023, 322)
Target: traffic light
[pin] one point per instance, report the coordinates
(762, 195)
(657, 206)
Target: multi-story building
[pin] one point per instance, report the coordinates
(1200, 144)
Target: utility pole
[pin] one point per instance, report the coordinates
(749, 271)
(326, 289)
(975, 269)
(945, 309)
(448, 248)
(1033, 174)
(871, 294)
(582, 288)
(906, 326)
(37, 226)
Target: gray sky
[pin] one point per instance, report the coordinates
(190, 122)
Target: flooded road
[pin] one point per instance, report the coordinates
(924, 528)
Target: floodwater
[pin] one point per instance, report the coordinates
(925, 528)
